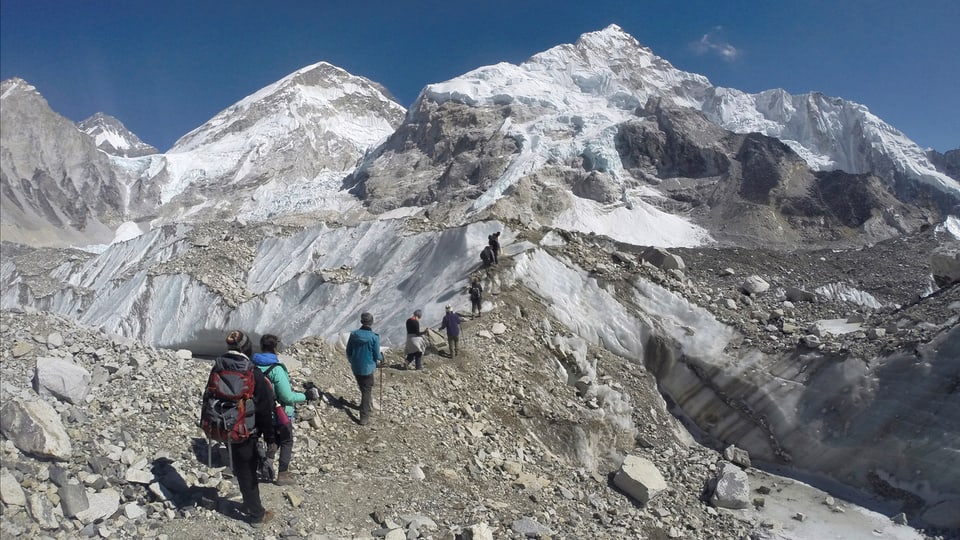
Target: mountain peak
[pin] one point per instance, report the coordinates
(16, 85)
(113, 137)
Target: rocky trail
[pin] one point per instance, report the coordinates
(522, 435)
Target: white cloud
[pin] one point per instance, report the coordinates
(712, 42)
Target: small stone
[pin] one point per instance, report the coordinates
(799, 516)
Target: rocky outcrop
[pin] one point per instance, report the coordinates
(35, 428)
(58, 189)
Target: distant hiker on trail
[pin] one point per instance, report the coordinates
(494, 241)
(278, 375)
(487, 256)
(451, 322)
(234, 372)
(415, 343)
(476, 297)
(363, 351)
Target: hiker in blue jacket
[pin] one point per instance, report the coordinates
(363, 352)
(277, 373)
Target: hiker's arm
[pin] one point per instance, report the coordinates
(285, 394)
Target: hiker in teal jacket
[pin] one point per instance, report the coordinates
(363, 352)
(276, 372)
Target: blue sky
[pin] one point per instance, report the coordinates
(165, 67)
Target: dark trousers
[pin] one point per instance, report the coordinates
(416, 356)
(475, 305)
(245, 461)
(453, 342)
(285, 440)
(365, 382)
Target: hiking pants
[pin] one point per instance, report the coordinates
(245, 461)
(285, 440)
(365, 382)
(416, 356)
(475, 305)
(453, 344)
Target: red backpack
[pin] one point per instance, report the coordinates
(228, 411)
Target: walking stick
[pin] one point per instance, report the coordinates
(381, 387)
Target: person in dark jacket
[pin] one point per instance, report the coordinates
(494, 241)
(363, 352)
(451, 322)
(277, 373)
(244, 455)
(476, 297)
(415, 343)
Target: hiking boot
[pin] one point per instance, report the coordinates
(267, 517)
(364, 420)
(284, 478)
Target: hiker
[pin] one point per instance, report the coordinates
(415, 343)
(236, 364)
(487, 256)
(363, 351)
(494, 241)
(451, 322)
(476, 297)
(278, 375)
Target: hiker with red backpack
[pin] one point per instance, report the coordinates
(238, 409)
(278, 376)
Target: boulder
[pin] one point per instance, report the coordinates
(737, 456)
(102, 504)
(35, 428)
(755, 285)
(945, 264)
(42, 511)
(662, 259)
(530, 528)
(640, 479)
(732, 487)
(799, 295)
(61, 378)
(73, 499)
(479, 531)
(10, 491)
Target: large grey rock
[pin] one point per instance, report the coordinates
(529, 527)
(639, 478)
(42, 511)
(73, 499)
(10, 491)
(61, 378)
(102, 504)
(755, 285)
(35, 428)
(479, 531)
(732, 487)
(945, 264)
(737, 456)
(662, 259)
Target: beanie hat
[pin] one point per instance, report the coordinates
(237, 341)
(448, 308)
(366, 318)
(418, 314)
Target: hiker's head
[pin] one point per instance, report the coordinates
(418, 314)
(269, 343)
(448, 308)
(366, 319)
(237, 341)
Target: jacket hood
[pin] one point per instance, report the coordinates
(265, 359)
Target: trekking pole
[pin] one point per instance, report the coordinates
(381, 388)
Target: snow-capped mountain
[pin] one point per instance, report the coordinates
(113, 137)
(58, 189)
(557, 120)
(282, 150)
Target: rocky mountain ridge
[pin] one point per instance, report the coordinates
(113, 137)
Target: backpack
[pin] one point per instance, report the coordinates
(280, 417)
(474, 293)
(486, 255)
(228, 411)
